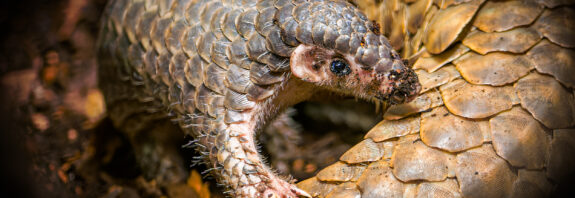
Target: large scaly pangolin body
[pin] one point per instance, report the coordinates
(225, 68)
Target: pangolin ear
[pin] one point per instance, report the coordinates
(301, 64)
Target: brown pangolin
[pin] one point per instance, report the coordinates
(224, 69)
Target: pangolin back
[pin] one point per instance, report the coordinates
(496, 115)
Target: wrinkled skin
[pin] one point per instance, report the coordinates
(225, 69)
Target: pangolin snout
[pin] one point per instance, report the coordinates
(406, 88)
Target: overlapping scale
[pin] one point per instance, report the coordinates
(386, 129)
(206, 14)
(340, 172)
(446, 3)
(229, 24)
(497, 16)
(378, 180)
(215, 106)
(348, 189)
(245, 22)
(158, 33)
(441, 33)
(446, 189)
(176, 68)
(554, 60)
(435, 79)
(262, 75)
(548, 101)
(194, 70)
(364, 151)
(163, 71)
(413, 160)
(532, 184)
(175, 34)
(558, 26)
(145, 26)
(238, 79)
(399, 28)
(414, 45)
(519, 138)
(481, 173)
(423, 102)
(132, 18)
(476, 101)
(416, 14)
(258, 92)
(449, 132)
(497, 126)
(496, 68)
(555, 3)
(190, 38)
(516, 40)
(213, 77)
(315, 187)
(432, 63)
(237, 101)
(560, 162)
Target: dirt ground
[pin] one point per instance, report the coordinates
(50, 102)
(55, 138)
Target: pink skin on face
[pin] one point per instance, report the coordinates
(397, 85)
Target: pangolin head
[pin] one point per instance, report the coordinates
(343, 51)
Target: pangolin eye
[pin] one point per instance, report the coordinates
(340, 67)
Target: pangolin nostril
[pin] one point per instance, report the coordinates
(397, 96)
(407, 87)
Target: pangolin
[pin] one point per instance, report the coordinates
(223, 69)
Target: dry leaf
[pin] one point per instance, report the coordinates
(195, 181)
